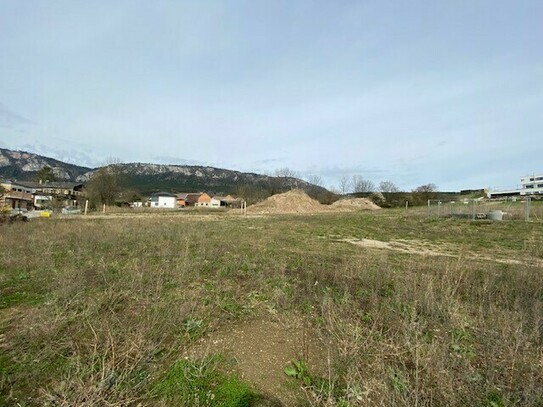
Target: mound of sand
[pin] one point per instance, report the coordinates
(295, 201)
(354, 204)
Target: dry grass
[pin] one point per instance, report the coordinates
(100, 311)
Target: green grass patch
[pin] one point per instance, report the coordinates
(200, 382)
(19, 287)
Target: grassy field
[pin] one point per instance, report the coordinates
(184, 310)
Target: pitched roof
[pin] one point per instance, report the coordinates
(193, 197)
(168, 194)
(52, 184)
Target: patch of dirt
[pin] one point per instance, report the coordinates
(294, 201)
(403, 246)
(355, 204)
(297, 201)
(428, 249)
(261, 348)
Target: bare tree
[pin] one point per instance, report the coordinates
(315, 179)
(286, 172)
(360, 184)
(333, 189)
(388, 186)
(344, 184)
(426, 192)
(104, 186)
(426, 188)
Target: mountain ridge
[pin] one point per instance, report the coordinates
(150, 177)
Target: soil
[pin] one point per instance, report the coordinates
(431, 249)
(295, 201)
(261, 348)
(355, 204)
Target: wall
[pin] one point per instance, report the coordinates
(169, 202)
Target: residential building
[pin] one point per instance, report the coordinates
(49, 194)
(163, 200)
(42, 195)
(16, 196)
(199, 199)
(182, 200)
(222, 201)
(203, 200)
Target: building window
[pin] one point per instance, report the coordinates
(530, 186)
(540, 185)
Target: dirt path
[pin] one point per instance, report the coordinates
(429, 249)
(261, 348)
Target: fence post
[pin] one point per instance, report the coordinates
(527, 207)
(428, 208)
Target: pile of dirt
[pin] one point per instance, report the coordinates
(295, 201)
(353, 204)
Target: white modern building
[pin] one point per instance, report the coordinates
(163, 200)
(532, 184)
(529, 185)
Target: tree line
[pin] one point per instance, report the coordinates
(106, 186)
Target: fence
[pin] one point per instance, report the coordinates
(510, 208)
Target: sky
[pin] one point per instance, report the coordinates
(416, 92)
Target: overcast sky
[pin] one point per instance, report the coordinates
(448, 92)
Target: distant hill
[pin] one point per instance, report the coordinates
(24, 166)
(148, 178)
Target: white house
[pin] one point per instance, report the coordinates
(163, 200)
(215, 202)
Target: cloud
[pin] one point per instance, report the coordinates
(12, 120)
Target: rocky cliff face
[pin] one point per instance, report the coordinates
(23, 166)
(188, 178)
(147, 178)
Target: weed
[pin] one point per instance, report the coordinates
(298, 369)
(461, 342)
(95, 310)
(494, 399)
(199, 382)
(398, 380)
(194, 328)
